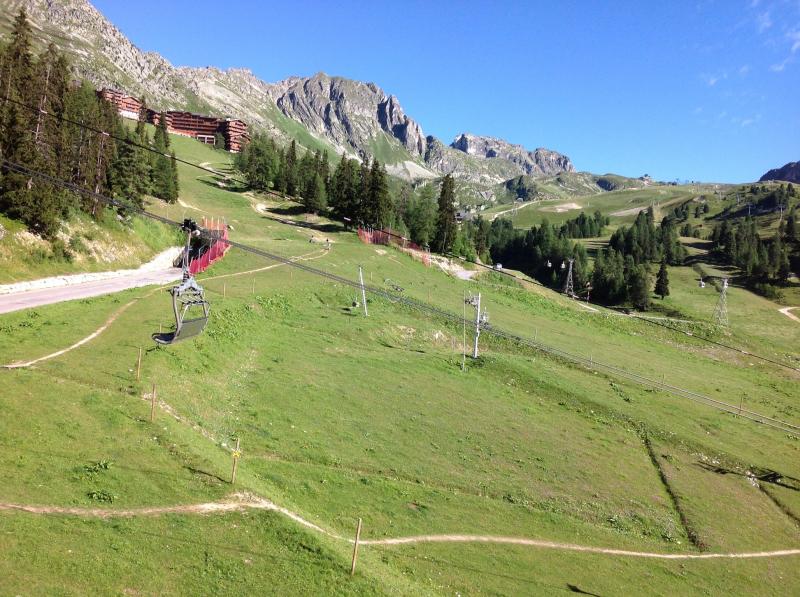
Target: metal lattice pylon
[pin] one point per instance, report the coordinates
(569, 290)
(721, 310)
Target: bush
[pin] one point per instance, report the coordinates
(769, 291)
(60, 251)
(76, 245)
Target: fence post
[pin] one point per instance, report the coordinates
(363, 292)
(153, 404)
(355, 548)
(236, 454)
(139, 365)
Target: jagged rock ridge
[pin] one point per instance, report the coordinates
(540, 162)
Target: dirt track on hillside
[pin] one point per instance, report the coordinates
(118, 312)
(244, 501)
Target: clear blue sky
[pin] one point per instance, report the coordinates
(705, 90)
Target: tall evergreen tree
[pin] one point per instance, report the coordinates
(662, 281)
(446, 227)
(291, 170)
(344, 189)
(791, 226)
(638, 287)
(379, 199)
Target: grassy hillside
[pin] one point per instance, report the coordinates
(83, 246)
(342, 416)
(621, 206)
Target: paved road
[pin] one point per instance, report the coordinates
(47, 296)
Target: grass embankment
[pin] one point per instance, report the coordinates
(342, 416)
(82, 246)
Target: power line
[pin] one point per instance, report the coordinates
(117, 137)
(212, 171)
(640, 318)
(771, 422)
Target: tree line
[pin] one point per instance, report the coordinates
(41, 141)
(761, 261)
(585, 226)
(356, 191)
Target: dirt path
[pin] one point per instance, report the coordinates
(244, 501)
(786, 311)
(305, 257)
(118, 312)
(92, 336)
(505, 211)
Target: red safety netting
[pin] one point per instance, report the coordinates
(219, 233)
(390, 238)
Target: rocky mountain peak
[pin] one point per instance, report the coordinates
(539, 162)
(350, 113)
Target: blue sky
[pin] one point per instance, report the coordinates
(705, 90)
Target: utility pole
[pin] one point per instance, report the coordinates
(721, 310)
(569, 290)
(481, 317)
(363, 292)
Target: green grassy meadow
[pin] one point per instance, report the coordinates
(343, 416)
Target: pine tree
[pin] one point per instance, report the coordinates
(291, 170)
(314, 197)
(380, 200)
(638, 287)
(141, 124)
(364, 212)
(662, 281)
(791, 226)
(446, 227)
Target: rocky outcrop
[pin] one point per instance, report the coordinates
(350, 114)
(540, 162)
(789, 173)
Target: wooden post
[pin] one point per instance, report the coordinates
(139, 365)
(153, 404)
(355, 548)
(254, 284)
(363, 292)
(236, 454)
(224, 290)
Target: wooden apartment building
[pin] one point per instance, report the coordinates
(197, 126)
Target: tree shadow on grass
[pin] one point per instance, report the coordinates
(762, 475)
(223, 184)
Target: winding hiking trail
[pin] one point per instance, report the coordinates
(244, 501)
(113, 317)
(787, 311)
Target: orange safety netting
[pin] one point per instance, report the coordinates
(219, 233)
(388, 237)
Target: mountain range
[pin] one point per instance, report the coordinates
(319, 112)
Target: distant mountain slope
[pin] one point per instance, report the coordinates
(789, 173)
(320, 112)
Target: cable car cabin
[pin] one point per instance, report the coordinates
(188, 300)
(191, 311)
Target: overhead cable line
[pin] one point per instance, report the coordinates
(117, 137)
(771, 422)
(645, 319)
(237, 180)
